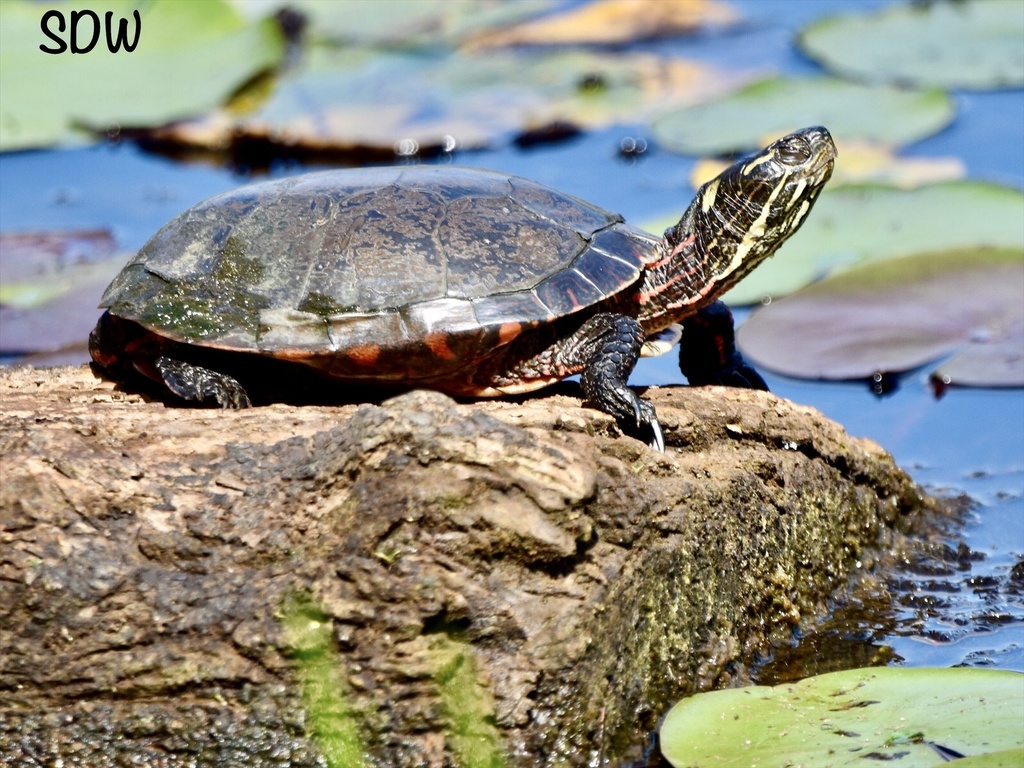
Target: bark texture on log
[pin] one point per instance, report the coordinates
(149, 555)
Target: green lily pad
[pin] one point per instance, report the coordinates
(854, 718)
(344, 99)
(351, 98)
(858, 222)
(410, 23)
(972, 44)
(762, 111)
(900, 314)
(190, 57)
(581, 87)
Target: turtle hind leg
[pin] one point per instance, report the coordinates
(193, 382)
(609, 346)
(708, 354)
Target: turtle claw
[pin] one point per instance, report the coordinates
(658, 439)
(645, 415)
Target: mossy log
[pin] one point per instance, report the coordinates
(420, 582)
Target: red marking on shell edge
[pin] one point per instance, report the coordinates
(437, 343)
(290, 354)
(509, 331)
(364, 356)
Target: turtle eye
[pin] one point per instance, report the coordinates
(795, 150)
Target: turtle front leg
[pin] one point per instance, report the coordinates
(607, 346)
(708, 354)
(193, 382)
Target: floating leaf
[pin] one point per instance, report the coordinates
(65, 318)
(860, 162)
(52, 282)
(992, 359)
(360, 98)
(588, 89)
(854, 223)
(357, 98)
(762, 111)
(409, 23)
(966, 44)
(614, 22)
(32, 263)
(897, 315)
(189, 58)
(853, 718)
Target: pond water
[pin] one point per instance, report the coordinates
(961, 607)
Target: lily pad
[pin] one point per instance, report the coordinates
(50, 288)
(858, 222)
(767, 109)
(854, 718)
(189, 58)
(992, 359)
(900, 314)
(409, 23)
(588, 89)
(862, 162)
(608, 22)
(974, 44)
(64, 318)
(33, 264)
(345, 99)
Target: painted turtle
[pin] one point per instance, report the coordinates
(466, 281)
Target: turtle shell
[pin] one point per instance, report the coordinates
(391, 273)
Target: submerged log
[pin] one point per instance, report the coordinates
(492, 583)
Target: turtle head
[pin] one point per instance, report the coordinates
(741, 217)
